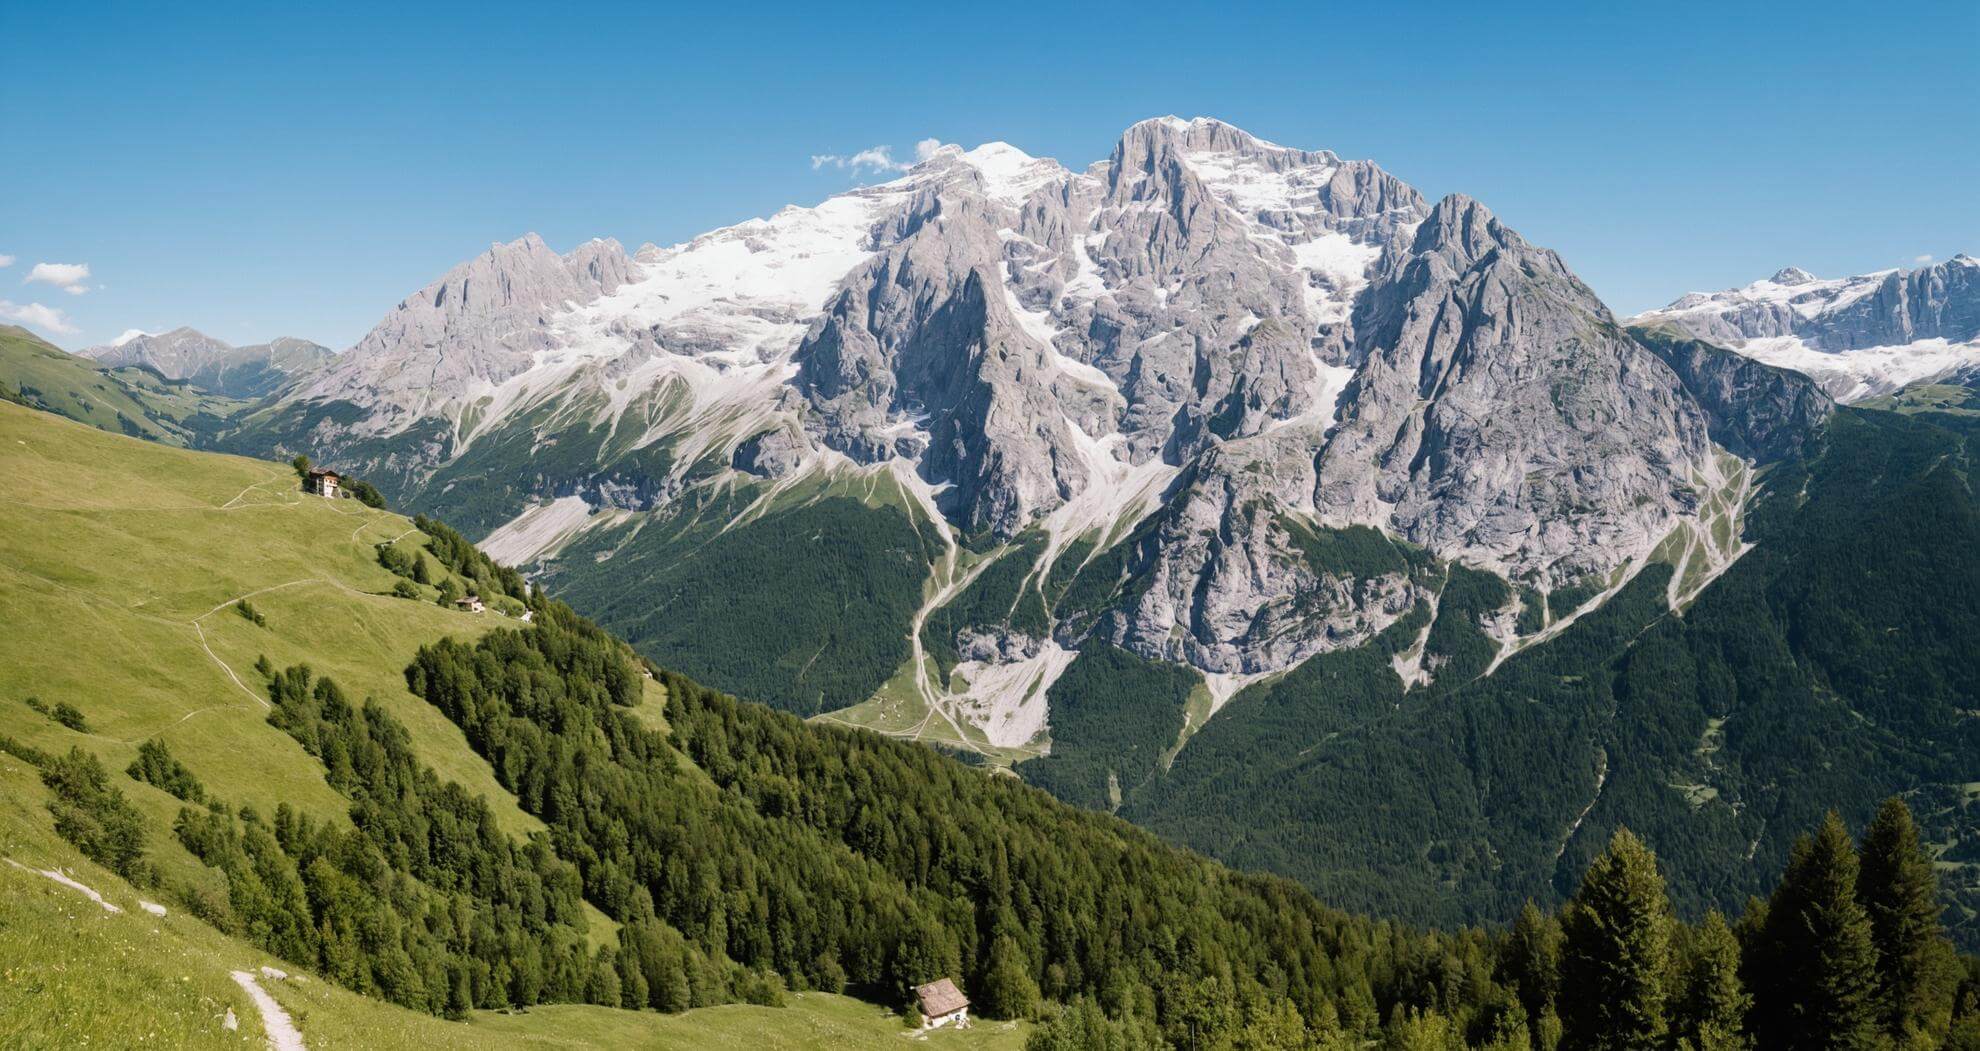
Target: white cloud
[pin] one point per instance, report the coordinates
(926, 148)
(1921, 260)
(6, 260)
(69, 277)
(37, 315)
(872, 158)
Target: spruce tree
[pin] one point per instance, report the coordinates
(1711, 1006)
(1899, 892)
(1008, 988)
(1615, 951)
(1816, 987)
(1531, 960)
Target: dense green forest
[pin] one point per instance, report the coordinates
(1102, 748)
(807, 610)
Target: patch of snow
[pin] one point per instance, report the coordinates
(1039, 326)
(1009, 174)
(1116, 495)
(1323, 399)
(538, 531)
(1255, 186)
(1853, 375)
(791, 262)
(1805, 294)
(1342, 263)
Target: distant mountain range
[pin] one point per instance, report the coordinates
(1860, 336)
(210, 364)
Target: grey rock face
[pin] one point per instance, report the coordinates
(1933, 302)
(1499, 413)
(479, 324)
(1757, 411)
(1223, 584)
(920, 356)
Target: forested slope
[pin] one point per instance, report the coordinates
(1832, 665)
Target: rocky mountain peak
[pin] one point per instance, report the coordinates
(1793, 275)
(480, 323)
(1244, 338)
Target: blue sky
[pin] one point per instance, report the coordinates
(256, 172)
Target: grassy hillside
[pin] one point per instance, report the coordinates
(121, 561)
(75, 973)
(121, 567)
(743, 856)
(1957, 396)
(36, 373)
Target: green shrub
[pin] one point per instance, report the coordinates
(155, 766)
(94, 817)
(70, 716)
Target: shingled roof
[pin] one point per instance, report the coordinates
(939, 998)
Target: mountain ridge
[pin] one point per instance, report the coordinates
(189, 355)
(1202, 323)
(1861, 336)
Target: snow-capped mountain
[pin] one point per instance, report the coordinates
(1859, 336)
(1174, 368)
(211, 364)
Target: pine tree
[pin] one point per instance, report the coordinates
(1531, 960)
(1615, 950)
(1712, 1003)
(1899, 892)
(603, 987)
(1816, 984)
(1008, 988)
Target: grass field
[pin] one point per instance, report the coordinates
(120, 565)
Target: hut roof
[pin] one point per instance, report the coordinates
(939, 998)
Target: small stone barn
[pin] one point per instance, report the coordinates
(941, 1004)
